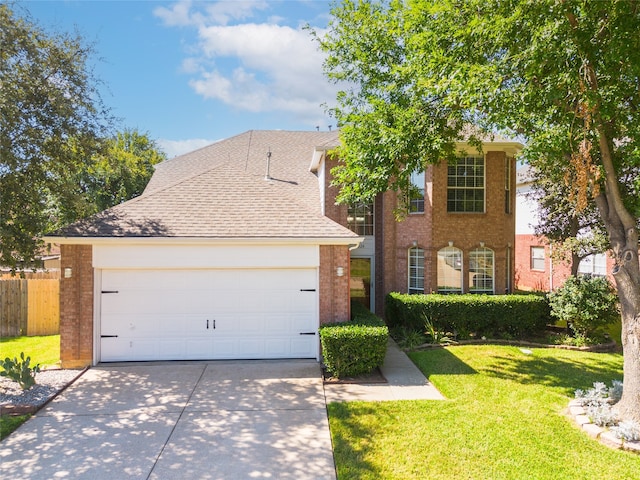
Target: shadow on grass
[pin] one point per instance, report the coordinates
(564, 373)
(349, 433)
(440, 361)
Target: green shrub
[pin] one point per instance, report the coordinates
(20, 371)
(489, 315)
(353, 348)
(586, 303)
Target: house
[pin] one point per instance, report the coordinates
(238, 250)
(536, 267)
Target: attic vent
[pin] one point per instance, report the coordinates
(267, 175)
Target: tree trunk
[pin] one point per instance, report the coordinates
(623, 236)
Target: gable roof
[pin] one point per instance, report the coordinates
(221, 191)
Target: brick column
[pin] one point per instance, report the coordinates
(334, 292)
(76, 306)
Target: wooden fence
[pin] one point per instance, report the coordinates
(29, 307)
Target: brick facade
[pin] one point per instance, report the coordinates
(334, 289)
(555, 272)
(76, 306)
(436, 228)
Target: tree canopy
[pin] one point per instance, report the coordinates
(51, 120)
(561, 74)
(119, 171)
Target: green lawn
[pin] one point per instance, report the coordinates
(503, 419)
(42, 350)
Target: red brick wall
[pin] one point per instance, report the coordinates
(528, 279)
(495, 228)
(334, 290)
(76, 307)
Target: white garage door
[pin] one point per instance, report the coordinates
(208, 314)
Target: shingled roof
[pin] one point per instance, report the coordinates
(221, 191)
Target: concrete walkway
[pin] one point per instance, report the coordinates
(405, 381)
(196, 420)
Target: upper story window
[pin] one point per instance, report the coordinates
(466, 185)
(537, 258)
(593, 265)
(416, 270)
(481, 270)
(450, 270)
(360, 218)
(416, 193)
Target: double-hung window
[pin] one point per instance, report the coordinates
(466, 185)
(537, 258)
(416, 193)
(416, 270)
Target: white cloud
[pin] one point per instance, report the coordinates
(255, 67)
(173, 148)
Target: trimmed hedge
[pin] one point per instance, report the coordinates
(355, 347)
(489, 315)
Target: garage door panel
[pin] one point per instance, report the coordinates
(164, 314)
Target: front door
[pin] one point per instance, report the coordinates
(360, 286)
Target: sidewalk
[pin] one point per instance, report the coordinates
(404, 382)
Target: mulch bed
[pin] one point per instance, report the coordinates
(373, 377)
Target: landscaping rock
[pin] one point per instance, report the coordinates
(593, 430)
(609, 439)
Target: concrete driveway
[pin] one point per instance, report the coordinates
(217, 420)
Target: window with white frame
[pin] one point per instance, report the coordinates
(416, 193)
(593, 265)
(466, 185)
(450, 270)
(360, 218)
(481, 270)
(537, 258)
(416, 270)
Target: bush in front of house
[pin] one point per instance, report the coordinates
(356, 347)
(509, 316)
(586, 303)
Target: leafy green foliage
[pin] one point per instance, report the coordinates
(586, 303)
(20, 371)
(561, 75)
(351, 349)
(51, 119)
(119, 172)
(492, 315)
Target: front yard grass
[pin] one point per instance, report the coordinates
(44, 350)
(504, 418)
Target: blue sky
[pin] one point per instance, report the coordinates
(192, 72)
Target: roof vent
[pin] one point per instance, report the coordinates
(267, 175)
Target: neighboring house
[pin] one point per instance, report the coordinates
(535, 267)
(238, 250)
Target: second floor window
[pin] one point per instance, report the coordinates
(416, 193)
(360, 218)
(466, 185)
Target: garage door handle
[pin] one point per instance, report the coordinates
(108, 336)
(307, 333)
(307, 289)
(109, 291)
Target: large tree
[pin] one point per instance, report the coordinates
(574, 233)
(51, 117)
(564, 74)
(119, 171)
